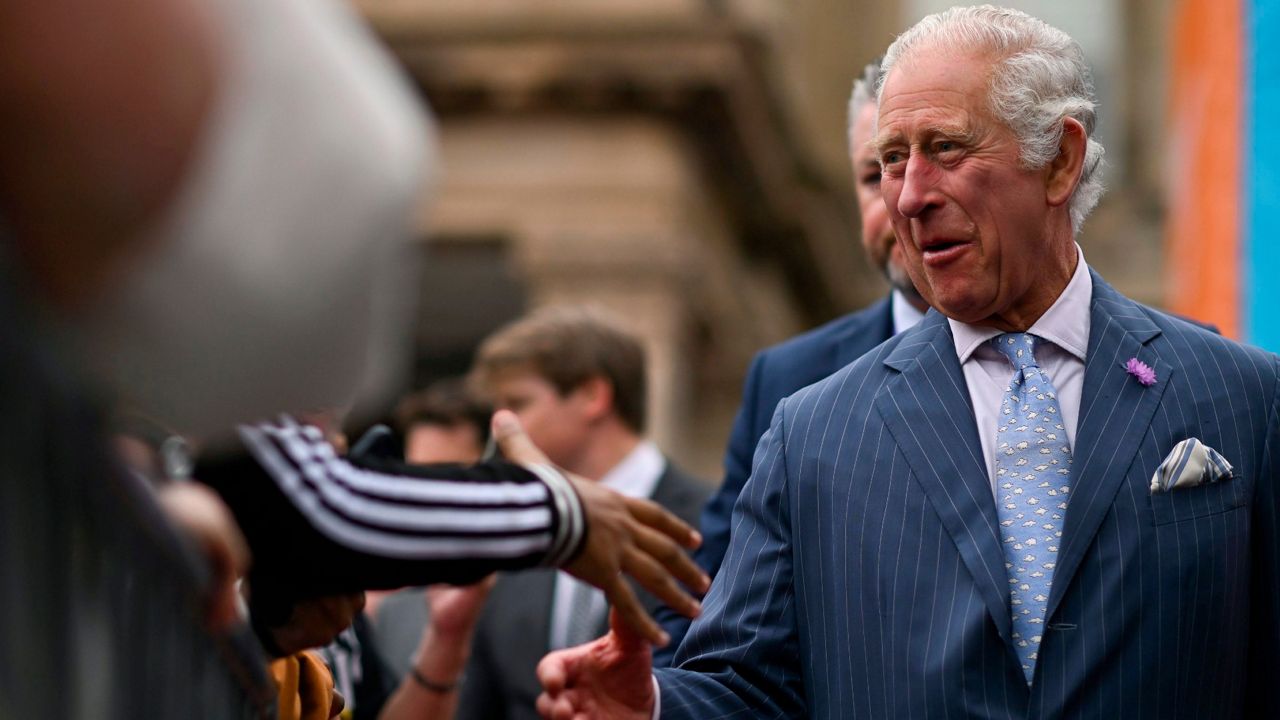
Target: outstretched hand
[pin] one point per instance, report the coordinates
(624, 535)
(606, 679)
(453, 611)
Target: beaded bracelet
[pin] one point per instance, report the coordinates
(433, 686)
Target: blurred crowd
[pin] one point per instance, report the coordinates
(206, 260)
(218, 497)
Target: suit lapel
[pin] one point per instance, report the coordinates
(929, 414)
(1115, 413)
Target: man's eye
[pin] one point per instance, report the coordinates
(891, 157)
(943, 146)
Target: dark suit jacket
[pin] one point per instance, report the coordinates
(513, 632)
(866, 577)
(774, 374)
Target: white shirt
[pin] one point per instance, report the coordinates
(1065, 327)
(635, 476)
(905, 315)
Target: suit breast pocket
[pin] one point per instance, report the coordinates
(1200, 501)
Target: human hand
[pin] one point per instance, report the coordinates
(453, 611)
(316, 622)
(624, 535)
(198, 510)
(605, 679)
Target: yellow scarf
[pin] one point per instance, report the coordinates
(305, 687)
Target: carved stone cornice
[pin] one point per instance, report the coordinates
(704, 76)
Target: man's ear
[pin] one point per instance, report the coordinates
(1065, 169)
(596, 394)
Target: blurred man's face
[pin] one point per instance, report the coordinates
(877, 233)
(974, 223)
(427, 443)
(557, 424)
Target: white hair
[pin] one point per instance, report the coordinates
(1039, 78)
(864, 93)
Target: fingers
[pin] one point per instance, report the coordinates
(627, 639)
(560, 708)
(553, 671)
(513, 441)
(673, 559)
(653, 515)
(544, 705)
(557, 672)
(624, 601)
(653, 577)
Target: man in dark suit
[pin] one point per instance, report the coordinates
(577, 382)
(805, 359)
(1043, 501)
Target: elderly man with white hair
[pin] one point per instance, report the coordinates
(1043, 501)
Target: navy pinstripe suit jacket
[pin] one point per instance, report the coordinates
(775, 373)
(865, 579)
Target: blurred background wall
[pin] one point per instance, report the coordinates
(684, 163)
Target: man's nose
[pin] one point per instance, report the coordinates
(917, 187)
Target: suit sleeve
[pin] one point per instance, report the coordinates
(716, 515)
(321, 524)
(1264, 640)
(749, 613)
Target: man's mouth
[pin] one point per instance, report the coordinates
(941, 252)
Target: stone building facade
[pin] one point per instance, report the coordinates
(682, 163)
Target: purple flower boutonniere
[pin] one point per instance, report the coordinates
(1142, 371)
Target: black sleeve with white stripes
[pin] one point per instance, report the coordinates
(320, 524)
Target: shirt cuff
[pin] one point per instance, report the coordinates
(657, 699)
(570, 533)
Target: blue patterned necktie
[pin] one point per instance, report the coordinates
(1033, 469)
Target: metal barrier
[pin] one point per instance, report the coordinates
(99, 597)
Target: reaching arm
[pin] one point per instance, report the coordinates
(320, 524)
(741, 657)
(738, 660)
(323, 524)
(432, 688)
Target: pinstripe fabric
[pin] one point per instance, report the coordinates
(774, 374)
(864, 577)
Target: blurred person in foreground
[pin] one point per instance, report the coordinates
(158, 199)
(577, 381)
(803, 360)
(1044, 500)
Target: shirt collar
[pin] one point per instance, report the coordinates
(905, 315)
(637, 474)
(1065, 323)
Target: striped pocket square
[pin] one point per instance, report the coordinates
(1191, 463)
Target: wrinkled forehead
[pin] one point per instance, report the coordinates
(939, 92)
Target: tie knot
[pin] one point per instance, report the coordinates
(1019, 348)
